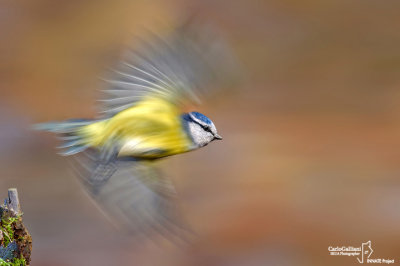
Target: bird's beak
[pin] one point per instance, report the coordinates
(216, 136)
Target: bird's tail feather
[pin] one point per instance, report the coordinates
(69, 132)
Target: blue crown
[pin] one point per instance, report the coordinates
(202, 117)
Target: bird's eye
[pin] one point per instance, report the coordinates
(206, 128)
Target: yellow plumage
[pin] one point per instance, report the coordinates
(153, 124)
(142, 119)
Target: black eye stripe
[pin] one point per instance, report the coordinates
(206, 128)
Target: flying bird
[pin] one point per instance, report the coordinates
(141, 122)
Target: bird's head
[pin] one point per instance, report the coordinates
(201, 129)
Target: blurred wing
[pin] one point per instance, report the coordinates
(180, 68)
(134, 195)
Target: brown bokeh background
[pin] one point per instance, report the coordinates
(310, 156)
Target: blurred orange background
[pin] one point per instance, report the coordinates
(310, 156)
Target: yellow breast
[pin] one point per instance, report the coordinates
(151, 128)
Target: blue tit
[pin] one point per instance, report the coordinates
(142, 121)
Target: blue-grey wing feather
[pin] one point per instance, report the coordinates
(179, 67)
(134, 194)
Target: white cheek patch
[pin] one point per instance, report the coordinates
(199, 136)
